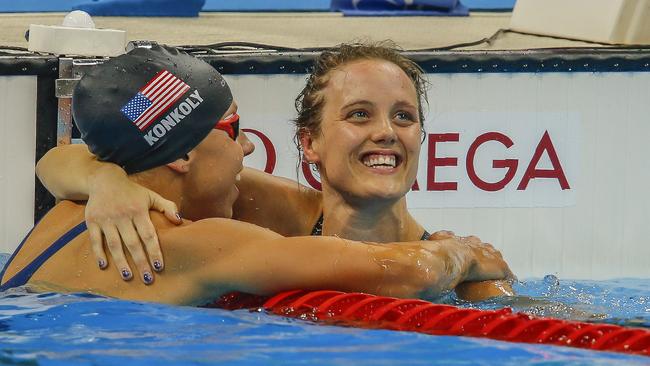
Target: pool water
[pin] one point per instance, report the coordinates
(81, 329)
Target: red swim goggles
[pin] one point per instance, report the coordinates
(230, 125)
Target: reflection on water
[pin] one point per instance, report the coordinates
(621, 301)
(85, 329)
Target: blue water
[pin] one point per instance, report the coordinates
(56, 329)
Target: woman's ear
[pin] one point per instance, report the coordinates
(183, 164)
(309, 147)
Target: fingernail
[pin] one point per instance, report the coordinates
(148, 278)
(126, 274)
(101, 263)
(157, 266)
(178, 216)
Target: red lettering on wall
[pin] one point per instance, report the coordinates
(415, 186)
(434, 162)
(268, 147)
(510, 164)
(545, 144)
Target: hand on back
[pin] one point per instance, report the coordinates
(117, 214)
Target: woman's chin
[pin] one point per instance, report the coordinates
(381, 194)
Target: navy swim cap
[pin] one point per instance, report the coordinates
(148, 107)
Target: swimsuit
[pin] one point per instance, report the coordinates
(317, 230)
(23, 276)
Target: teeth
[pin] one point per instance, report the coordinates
(379, 161)
(237, 177)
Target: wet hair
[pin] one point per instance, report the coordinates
(309, 103)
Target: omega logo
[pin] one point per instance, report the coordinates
(544, 146)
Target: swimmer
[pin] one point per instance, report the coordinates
(360, 120)
(196, 159)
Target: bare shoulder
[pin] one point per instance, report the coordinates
(212, 231)
(283, 205)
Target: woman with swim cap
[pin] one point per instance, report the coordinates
(196, 160)
(360, 123)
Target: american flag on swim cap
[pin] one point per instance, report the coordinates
(154, 99)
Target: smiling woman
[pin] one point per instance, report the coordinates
(363, 134)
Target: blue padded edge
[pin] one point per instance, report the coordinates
(489, 4)
(24, 6)
(267, 5)
(142, 8)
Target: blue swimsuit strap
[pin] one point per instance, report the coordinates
(26, 273)
(317, 230)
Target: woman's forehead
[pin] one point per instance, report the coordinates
(370, 79)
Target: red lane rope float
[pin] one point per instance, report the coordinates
(369, 311)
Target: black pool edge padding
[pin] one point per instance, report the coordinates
(600, 59)
(46, 129)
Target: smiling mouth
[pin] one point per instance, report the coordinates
(381, 161)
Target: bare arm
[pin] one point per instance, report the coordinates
(270, 264)
(483, 290)
(64, 171)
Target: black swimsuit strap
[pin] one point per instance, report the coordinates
(317, 230)
(26, 273)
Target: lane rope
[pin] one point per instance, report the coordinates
(379, 312)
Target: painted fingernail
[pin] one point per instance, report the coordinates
(157, 266)
(126, 274)
(178, 216)
(101, 263)
(148, 278)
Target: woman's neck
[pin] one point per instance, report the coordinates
(377, 221)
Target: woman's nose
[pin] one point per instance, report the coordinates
(384, 131)
(246, 145)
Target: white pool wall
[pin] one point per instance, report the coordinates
(17, 155)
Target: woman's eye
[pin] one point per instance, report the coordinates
(404, 116)
(358, 115)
